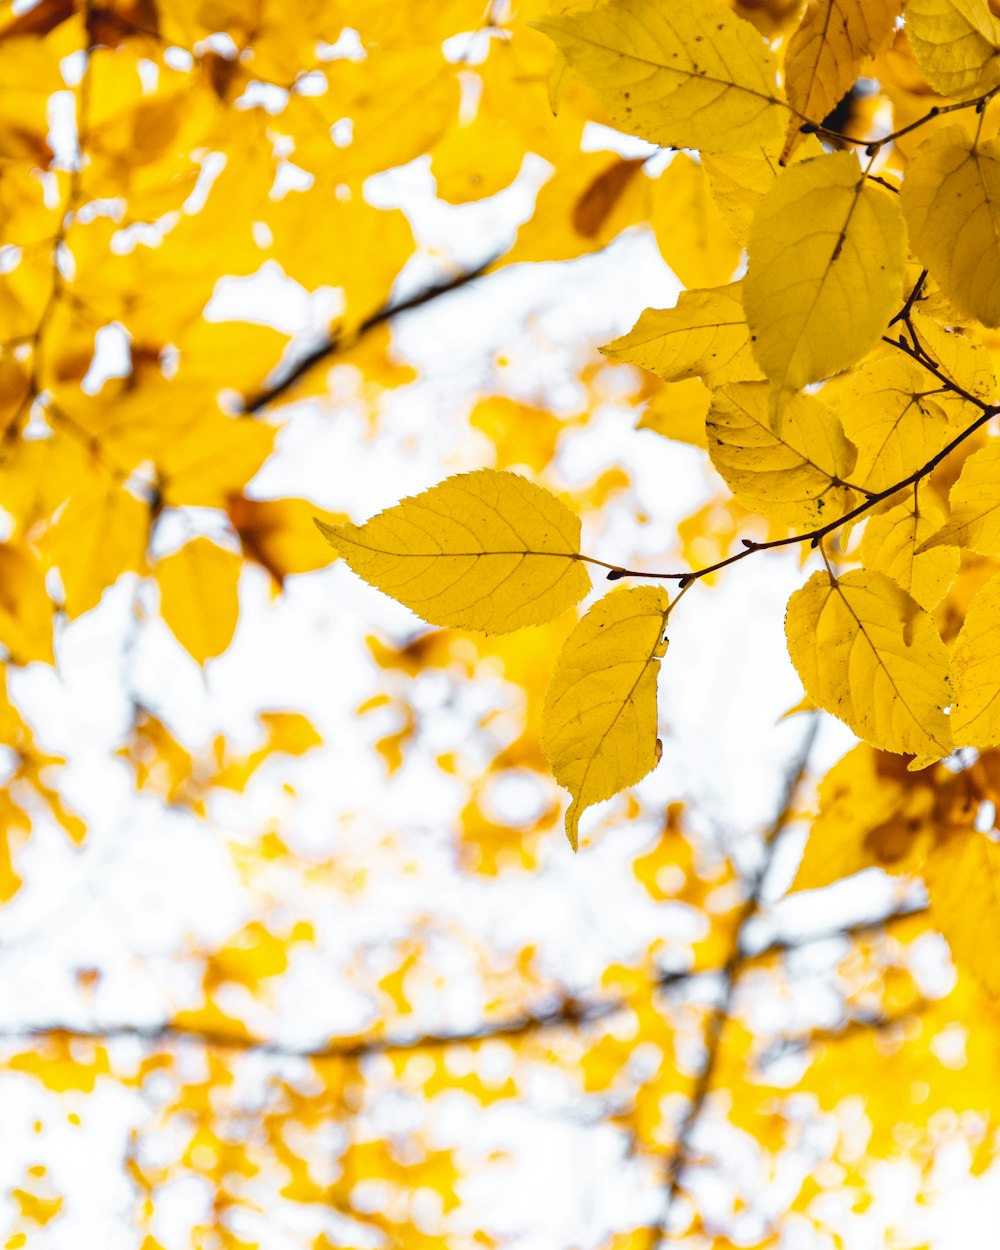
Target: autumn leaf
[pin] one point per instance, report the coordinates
(827, 51)
(705, 335)
(486, 550)
(963, 881)
(975, 507)
(696, 77)
(599, 721)
(956, 44)
(868, 653)
(893, 544)
(975, 671)
(797, 476)
(199, 596)
(826, 256)
(951, 201)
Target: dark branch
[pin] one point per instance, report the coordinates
(737, 960)
(566, 1012)
(815, 536)
(339, 341)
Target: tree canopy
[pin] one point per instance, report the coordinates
(348, 350)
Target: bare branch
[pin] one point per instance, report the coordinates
(339, 342)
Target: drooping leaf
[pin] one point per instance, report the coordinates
(956, 43)
(975, 671)
(867, 652)
(826, 259)
(827, 52)
(975, 506)
(599, 720)
(951, 201)
(691, 75)
(796, 476)
(486, 550)
(891, 544)
(199, 596)
(705, 335)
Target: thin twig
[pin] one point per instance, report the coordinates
(339, 341)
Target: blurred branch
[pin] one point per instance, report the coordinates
(340, 341)
(566, 1012)
(737, 960)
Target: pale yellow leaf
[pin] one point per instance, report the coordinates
(99, 534)
(599, 720)
(691, 234)
(678, 412)
(868, 653)
(951, 201)
(891, 542)
(963, 882)
(975, 671)
(891, 413)
(486, 550)
(827, 52)
(797, 476)
(691, 75)
(963, 361)
(956, 44)
(705, 335)
(199, 596)
(975, 506)
(738, 183)
(826, 259)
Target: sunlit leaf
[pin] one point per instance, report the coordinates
(485, 550)
(826, 258)
(599, 722)
(868, 653)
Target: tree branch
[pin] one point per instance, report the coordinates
(814, 537)
(338, 341)
(567, 1012)
(734, 966)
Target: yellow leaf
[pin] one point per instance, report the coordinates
(485, 550)
(975, 506)
(688, 76)
(704, 336)
(796, 477)
(826, 259)
(691, 234)
(199, 597)
(679, 412)
(869, 654)
(25, 607)
(739, 183)
(826, 53)
(891, 542)
(963, 882)
(962, 361)
(279, 534)
(890, 412)
(871, 815)
(951, 201)
(956, 44)
(975, 671)
(100, 534)
(599, 720)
